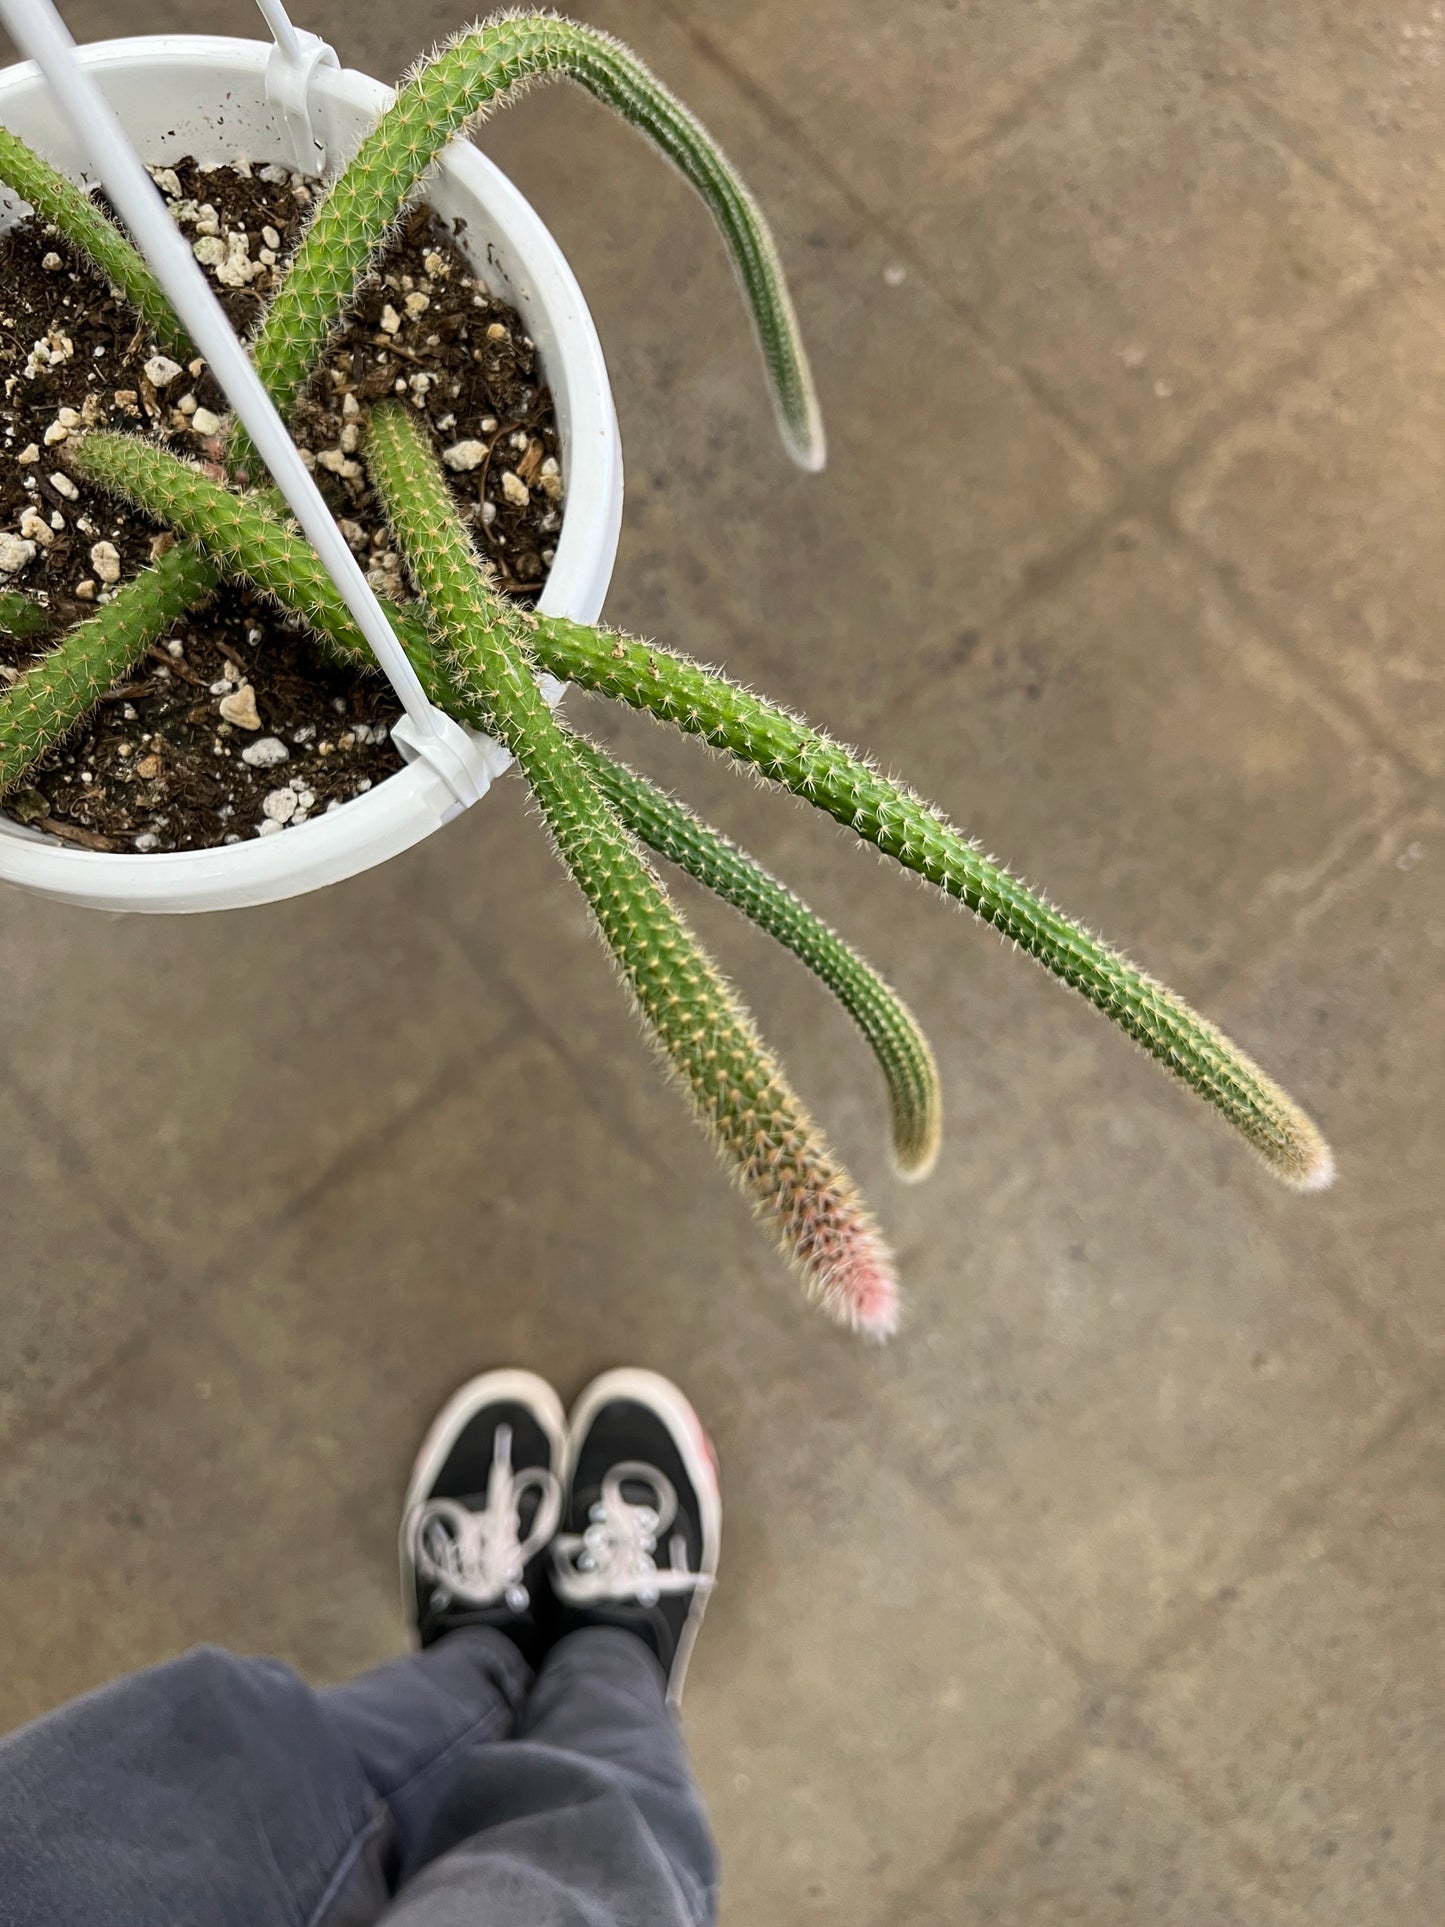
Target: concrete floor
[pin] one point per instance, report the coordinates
(1111, 1591)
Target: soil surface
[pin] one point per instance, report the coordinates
(235, 725)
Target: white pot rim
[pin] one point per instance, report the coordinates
(178, 92)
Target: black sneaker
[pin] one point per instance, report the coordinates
(642, 1518)
(483, 1504)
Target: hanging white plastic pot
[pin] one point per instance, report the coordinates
(222, 100)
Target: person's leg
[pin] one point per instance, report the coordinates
(215, 1789)
(224, 1790)
(603, 1695)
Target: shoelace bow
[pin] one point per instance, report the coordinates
(479, 1558)
(614, 1558)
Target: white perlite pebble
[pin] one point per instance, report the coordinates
(270, 237)
(63, 485)
(270, 828)
(514, 488)
(35, 528)
(51, 263)
(203, 422)
(266, 753)
(15, 554)
(390, 320)
(238, 269)
(105, 560)
(462, 456)
(147, 840)
(30, 453)
(240, 708)
(167, 180)
(280, 806)
(161, 371)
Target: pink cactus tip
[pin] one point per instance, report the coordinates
(857, 1284)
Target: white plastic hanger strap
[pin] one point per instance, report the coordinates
(289, 73)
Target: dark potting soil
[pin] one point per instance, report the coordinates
(235, 725)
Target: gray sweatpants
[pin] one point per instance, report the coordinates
(446, 1789)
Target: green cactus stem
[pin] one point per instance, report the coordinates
(790, 753)
(736, 1088)
(675, 832)
(478, 71)
(61, 688)
(84, 227)
(245, 535)
(21, 616)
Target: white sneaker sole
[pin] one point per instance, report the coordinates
(660, 1395)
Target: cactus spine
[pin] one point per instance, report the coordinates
(84, 227)
(737, 1090)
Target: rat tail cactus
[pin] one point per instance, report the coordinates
(479, 656)
(734, 1085)
(245, 535)
(786, 751)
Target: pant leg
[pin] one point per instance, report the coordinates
(589, 1818)
(601, 1693)
(215, 1791)
(224, 1792)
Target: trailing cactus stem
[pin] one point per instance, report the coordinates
(787, 752)
(736, 1089)
(903, 1053)
(481, 69)
(84, 227)
(903, 826)
(59, 690)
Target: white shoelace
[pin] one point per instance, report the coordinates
(615, 1557)
(480, 1558)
